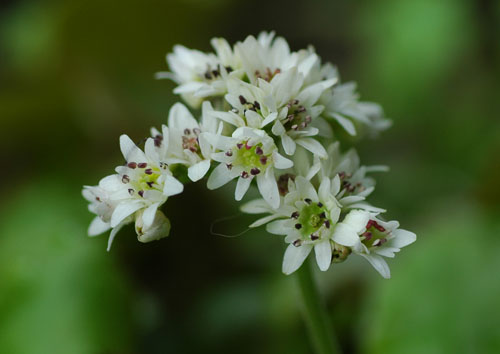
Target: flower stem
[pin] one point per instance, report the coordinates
(316, 317)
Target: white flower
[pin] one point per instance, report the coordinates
(248, 154)
(144, 183)
(183, 141)
(160, 227)
(376, 238)
(344, 107)
(199, 74)
(307, 217)
(285, 102)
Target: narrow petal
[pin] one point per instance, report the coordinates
(264, 220)
(199, 170)
(241, 187)
(130, 151)
(256, 206)
(323, 252)
(124, 210)
(313, 146)
(402, 238)
(113, 234)
(268, 188)
(97, 226)
(172, 186)
(278, 227)
(149, 215)
(294, 257)
(379, 264)
(281, 162)
(219, 177)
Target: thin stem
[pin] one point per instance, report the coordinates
(318, 324)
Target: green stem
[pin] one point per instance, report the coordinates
(316, 317)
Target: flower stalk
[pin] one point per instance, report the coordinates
(318, 324)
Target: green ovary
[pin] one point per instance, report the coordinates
(248, 157)
(311, 220)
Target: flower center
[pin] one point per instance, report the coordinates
(190, 140)
(145, 178)
(311, 219)
(267, 74)
(375, 234)
(251, 158)
(297, 118)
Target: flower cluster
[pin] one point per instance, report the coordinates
(271, 115)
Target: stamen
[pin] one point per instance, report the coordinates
(256, 104)
(229, 153)
(141, 193)
(295, 215)
(322, 215)
(125, 179)
(327, 224)
(187, 131)
(242, 99)
(239, 145)
(314, 237)
(131, 191)
(263, 160)
(229, 166)
(255, 171)
(308, 201)
(258, 150)
(320, 204)
(244, 174)
(298, 226)
(297, 243)
(142, 165)
(148, 171)
(132, 165)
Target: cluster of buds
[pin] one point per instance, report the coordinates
(269, 115)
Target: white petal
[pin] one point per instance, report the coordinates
(313, 146)
(113, 234)
(219, 177)
(270, 118)
(402, 238)
(288, 144)
(345, 235)
(256, 206)
(123, 210)
(323, 252)
(199, 170)
(281, 162)
(242, 187)
(269, 188)
(149, 215)
(294, 257)
(357, 220)
(179, 117)
(278, 227)
(130, 151)
(306, 189)
(379, 264)
(345, 123)
(324, 189)
(172, 186)
(97, 226)
(264, 220)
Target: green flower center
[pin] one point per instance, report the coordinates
(311, 219)
(251, 158)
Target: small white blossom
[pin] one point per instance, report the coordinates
(248, 154)
(160, 227)
(376, 238)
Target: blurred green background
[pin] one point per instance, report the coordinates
(74, 75)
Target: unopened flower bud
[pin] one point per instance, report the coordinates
(160, 227)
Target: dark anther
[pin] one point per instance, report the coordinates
(320, 204)
(254, 171)
(368, 235)
(187, 131)
(148, 171)
(314, 237)
(131, 191)
(295, 214)
(229, 166)
(142, 165)
(132, 165)
(297, 243)
(229, 69)
(229, 153)
(244, 174)
(258, 150)
(208, 76)
(298, 226)
(239, 145)
(327, 224)
(242, 99)
(322, 215)
(125, 179)
(141, 193)
(263, 160)
(256, 104)
(308, 201)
